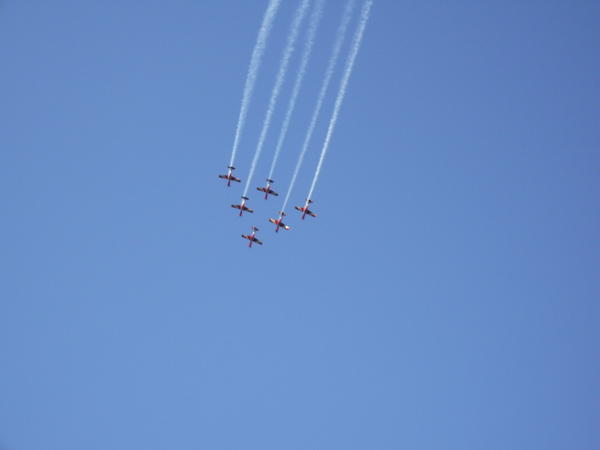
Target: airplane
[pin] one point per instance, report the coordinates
(304, 210)
(252, 237)
(242, 206)
(278, 223)
(267, 189)
(229, 177)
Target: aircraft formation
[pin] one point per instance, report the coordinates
(295, 29)
(267, 191)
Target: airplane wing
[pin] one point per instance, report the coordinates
(273, 193)
(257, 241)
(236, 179)
(223, 176)
(235, 206)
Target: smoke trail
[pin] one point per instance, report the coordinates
(339, 40)
(364, 17)
(285, 60)
(315, 18)
(255, 60)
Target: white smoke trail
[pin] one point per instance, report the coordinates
(255, 60)
(315, 18)
(285, 60)
(337, 46)
(364, 17)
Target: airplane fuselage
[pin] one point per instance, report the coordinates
(251, 238)
(267, 190)
(229, 177)
(242, 207)
(279, 224)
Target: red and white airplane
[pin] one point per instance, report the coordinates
(252, 237)
(267, 189)
(229, 177)
(242, 206)
(304, 210)
(278, 223)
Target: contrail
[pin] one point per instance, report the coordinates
(315, 18)
(285, 60)
(364, 17)
(339, 40)
(255, 60)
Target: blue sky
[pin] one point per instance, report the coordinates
(444, 298)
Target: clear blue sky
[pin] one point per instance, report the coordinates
(445, 298)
